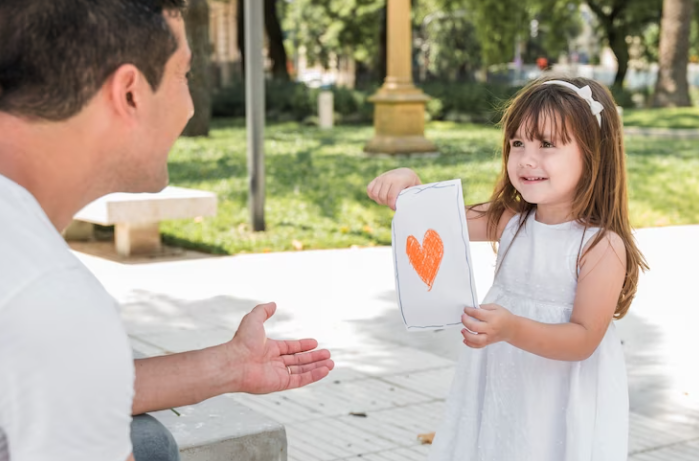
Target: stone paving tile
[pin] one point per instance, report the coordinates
(381, 435)
(388, 361)
(339, 399)
(688, 451)
(434, 383)
(650, 433)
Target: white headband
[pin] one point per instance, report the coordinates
(585, 93)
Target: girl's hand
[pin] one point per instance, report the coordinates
(384, 190)
(492, 322)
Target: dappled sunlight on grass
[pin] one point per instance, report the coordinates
(675, 117)
(316, 183)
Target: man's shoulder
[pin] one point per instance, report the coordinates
(29, 245)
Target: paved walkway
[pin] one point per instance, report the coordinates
(389, 385)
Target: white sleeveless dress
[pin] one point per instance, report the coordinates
(510, 405)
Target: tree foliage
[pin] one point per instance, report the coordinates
(500, 23)
(619, 19)
(324, 28)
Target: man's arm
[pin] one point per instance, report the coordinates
(178, 379)
(250, 362)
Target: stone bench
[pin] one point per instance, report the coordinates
(221, 429)
(136, 217)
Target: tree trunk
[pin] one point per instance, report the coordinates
(615, 35)
(617, 42)
(277, 53)
(240, 29)
(196, 18)
(671, 88)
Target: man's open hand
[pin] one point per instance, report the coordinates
(265, 365)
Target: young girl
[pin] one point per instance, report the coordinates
(544, 379)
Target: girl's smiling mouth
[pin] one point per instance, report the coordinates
(532, 179)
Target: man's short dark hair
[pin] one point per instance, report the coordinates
(55, 55)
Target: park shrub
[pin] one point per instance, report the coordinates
(286, 101)
(630, 99)
(451, 101)
(467, 102)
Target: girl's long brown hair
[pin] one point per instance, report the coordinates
(601, 198)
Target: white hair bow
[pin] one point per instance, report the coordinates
(585, 93)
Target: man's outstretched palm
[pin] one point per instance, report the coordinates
(268, 365)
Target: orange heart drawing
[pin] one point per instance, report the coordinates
(426, 258)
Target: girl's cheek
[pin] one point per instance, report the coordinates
(511, 169)
(513, 179)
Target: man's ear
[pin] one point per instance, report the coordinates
(126, 90)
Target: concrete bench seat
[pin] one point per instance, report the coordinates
(221, 429)
(136, 217)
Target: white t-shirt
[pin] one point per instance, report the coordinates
(66, 370)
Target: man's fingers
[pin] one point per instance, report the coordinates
(290, 347)
(308, 357)
(304, 379)
(300, 369)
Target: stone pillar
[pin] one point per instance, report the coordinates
(325, 109)
(399, 111)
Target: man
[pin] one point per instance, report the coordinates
(93, 93)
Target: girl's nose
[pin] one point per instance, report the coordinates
(528, 158)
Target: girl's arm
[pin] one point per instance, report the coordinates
(384, 190)
(599, 284)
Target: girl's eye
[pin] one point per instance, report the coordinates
(546, 144)
(517, 144)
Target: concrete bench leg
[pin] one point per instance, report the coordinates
(137, 238)
(79, 231)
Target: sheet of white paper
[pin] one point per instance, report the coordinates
(434, 274)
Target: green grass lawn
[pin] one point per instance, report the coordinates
(316, 183)
(679, 117)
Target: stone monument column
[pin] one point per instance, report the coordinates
(399, 111)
